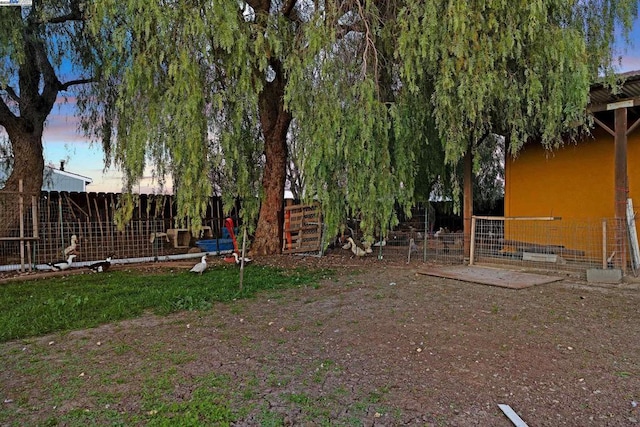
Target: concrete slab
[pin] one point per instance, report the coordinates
(489, 276)
(599, 275)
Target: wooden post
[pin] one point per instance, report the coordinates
(21, 212)
(472, 250)
(34, 225)
(244, 246)
(620, 190)
(604, 244)
(467, 201)
(34, 214)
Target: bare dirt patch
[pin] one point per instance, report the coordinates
(375, 344)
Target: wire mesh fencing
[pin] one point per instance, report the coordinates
(551, 243)
(39, 229)
(414, 240)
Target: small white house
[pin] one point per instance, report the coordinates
(61, 180)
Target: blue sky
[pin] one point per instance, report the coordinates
(63, 142)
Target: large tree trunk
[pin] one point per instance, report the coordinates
(38, 90)
(275, 125)
(28, 167)
(28, 161)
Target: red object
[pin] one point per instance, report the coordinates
(228, 224)
(287, 229)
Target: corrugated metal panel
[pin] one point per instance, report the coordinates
(630, 89)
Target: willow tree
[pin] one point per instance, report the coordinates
(518, 69)
(186, 84)
(35, 42)
(190, 86)
(373, 86)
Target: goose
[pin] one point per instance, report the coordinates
(201, 266)
(412, 245)
(62, 265)
(101, 266)
(71, 249)
(355, 249)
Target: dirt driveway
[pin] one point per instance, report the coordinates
(376, 345)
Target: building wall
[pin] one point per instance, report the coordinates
(573, 182)
(55, 181)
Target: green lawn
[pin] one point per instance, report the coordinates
(35, 308)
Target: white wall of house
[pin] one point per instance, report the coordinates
(60, 180)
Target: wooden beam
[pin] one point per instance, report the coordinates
(467, 201)
(633, 127)
(620, 184)
(519, 218)
(605, 127)
(627, 103)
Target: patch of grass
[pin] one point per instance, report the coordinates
(323, 370)
(209, 404)
(56, 304)
(269, 419)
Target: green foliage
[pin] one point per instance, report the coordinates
(82, 301)
(386, 97)
(517, 69)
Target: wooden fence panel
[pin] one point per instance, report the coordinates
(302, 229)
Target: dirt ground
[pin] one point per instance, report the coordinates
(375, 345)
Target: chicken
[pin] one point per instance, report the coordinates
(355, 249)
(101, 266)
(62, 265)
(201, 266)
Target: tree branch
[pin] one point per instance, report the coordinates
(66, 85)
(287, 7)
(75, 14)
(12, 93)
(6, 116)
(260, 5)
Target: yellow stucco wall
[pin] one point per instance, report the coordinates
(575, 181)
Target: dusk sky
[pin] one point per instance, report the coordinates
(63, 142)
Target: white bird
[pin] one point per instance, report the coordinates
(379, 243)
(239, 259)
(71, 249)
(439, 232)
(201, 266)
(367, 247)
(101, 266)
(355, 249)
(62, 265)
(347, 246)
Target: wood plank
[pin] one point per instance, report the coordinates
(538, 257)
(511, 414)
